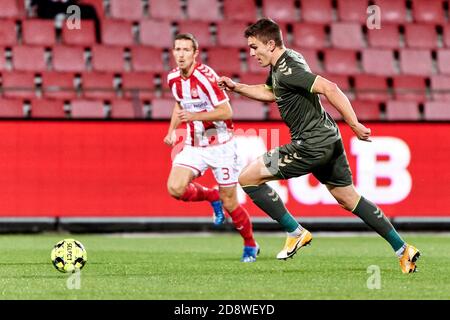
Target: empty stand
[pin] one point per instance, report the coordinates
(332, 111)
(156, 33)
(392, 11)
(341, 81)
(8, 32)
(440, 85)
(206, 10)
(416, 62)
(371, 87)
(29, 58)
(309, 35)
(341, 61)
(58, 85)
(443, 57)
(311, 59)
(12, 9)
(252, 78)
(437, 111)
(347, 35)
(47, 108)
(387, 37)
(68, 58)
(2, 59)
(378, 61)
(243, 10)
(201, 30)
(248, 109)
(128, 10)
(230, 34)
(11, 108)
(109, 59)
(367, 110)
(274, 112)
(224, 59)
(409, 88)
(352, 10)
(402, 110)
(161, 108)
(428, 11)
(87, 109)
(280, 10)
(166, 10)
(117, 32)
(18, 84)
(446, 35)
(138, 85)
(146, 59)
(85, 36)
(421, 36)
(126, 109)
(38, 32)
(317, 11)
(98, 85)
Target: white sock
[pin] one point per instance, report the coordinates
(400, 251)
(296, 232)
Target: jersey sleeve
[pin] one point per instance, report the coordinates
(297, 77)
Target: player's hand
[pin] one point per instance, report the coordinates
(185, 116)
(362, 132)
(226, 83)
(170, 138)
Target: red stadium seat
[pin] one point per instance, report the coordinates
(117, 32)
(341, 61)
(38, 32)
(392, 11)
(318, 11)
(310, 56)
(156, 33)
(47, 108)
(402, 110)
(274, 112)
(352, 10)
(87, 109)
(146, 59)
(309, 35)
(230, 34)
(253, 78)
(416, 62)
(421, 36)
(66, 58)
(409, 88)
(29, 58)
(7, 33)
(371, 87)
(201, 30)
(2, 59)
(280, 10)
(161, 108)
(243, 10)
(446, 35)
(387, 37)
(439, 84)
(428, 11)
(128, 10)
(437, 110)
(97, 85)
(332, 111)
(224, 60)
(12, 9)
(58, 85)
(84, 36)
(378, 61)
(126, 109)
(18, 84)
(109, 59)
(443, 57)
(166, 10)
(138, 85)
(367, 110)
(347, 36)
(11, 108)
(206, 10)
(248, 109)
(341, 81)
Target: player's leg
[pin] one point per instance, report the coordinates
(241, 221)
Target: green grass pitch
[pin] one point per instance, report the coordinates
(196, 266)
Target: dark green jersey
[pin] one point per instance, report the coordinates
(291, 81)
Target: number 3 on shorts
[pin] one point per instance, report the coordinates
(226, 174)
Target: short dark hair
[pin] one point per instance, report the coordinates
(265, 29)
(187, 36)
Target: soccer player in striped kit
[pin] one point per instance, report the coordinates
(209, 141)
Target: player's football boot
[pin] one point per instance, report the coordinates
(293, 244)
(219, 216)
(409, 258)
(250, 253)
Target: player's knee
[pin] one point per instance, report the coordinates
(346, 201)
(176, 190)
(229, 203)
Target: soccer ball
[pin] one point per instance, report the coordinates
(68, 255)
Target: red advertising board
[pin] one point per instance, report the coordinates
(119, 169)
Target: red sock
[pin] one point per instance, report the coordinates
(242, 223)
(197, 192)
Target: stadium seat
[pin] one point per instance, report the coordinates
(231, 34)
(29, 58)
(201, 30)
(58, 85)
(18, 84)
(341, 61)
(38, 32)
(402, 110)
(371, 87)
(117, 32)
(280, 10)
(68, 58)
(274, 112)
(341, 81)
(12, 9)
(47, 108)
(443, 57)
(318, 11)
(84, 36)
(206, 10)
(416, 62)
(311, 58)
(332, 111)
(8, 32)
(428, 11)
(378, 61)
(166, 10)
(436, 111)
(161, 108)
(446, 35)
(224, 60)
(87, 109)
(392, 11)
(421, 36)
(126, 109)
(253, 78)
(440, 83)
(127, 10)
(243, 10)
(248, 109)
(409, 88)
(309, 35)
(11, 108)
(352, 10)
(367, 110)
(147, 59)
(138, 85)
(98, 85)
(109, 59)
(347, 35)
(3, 65)
(156, 33)
(387, 37)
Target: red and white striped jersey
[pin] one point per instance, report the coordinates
(201, 93)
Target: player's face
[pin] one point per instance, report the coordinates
(184, 53)
(260, 51)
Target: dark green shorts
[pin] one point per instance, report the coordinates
(328, 164)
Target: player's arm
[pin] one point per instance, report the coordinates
(221, 112)
(170, 138)
(260, 92)
(340, 101)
